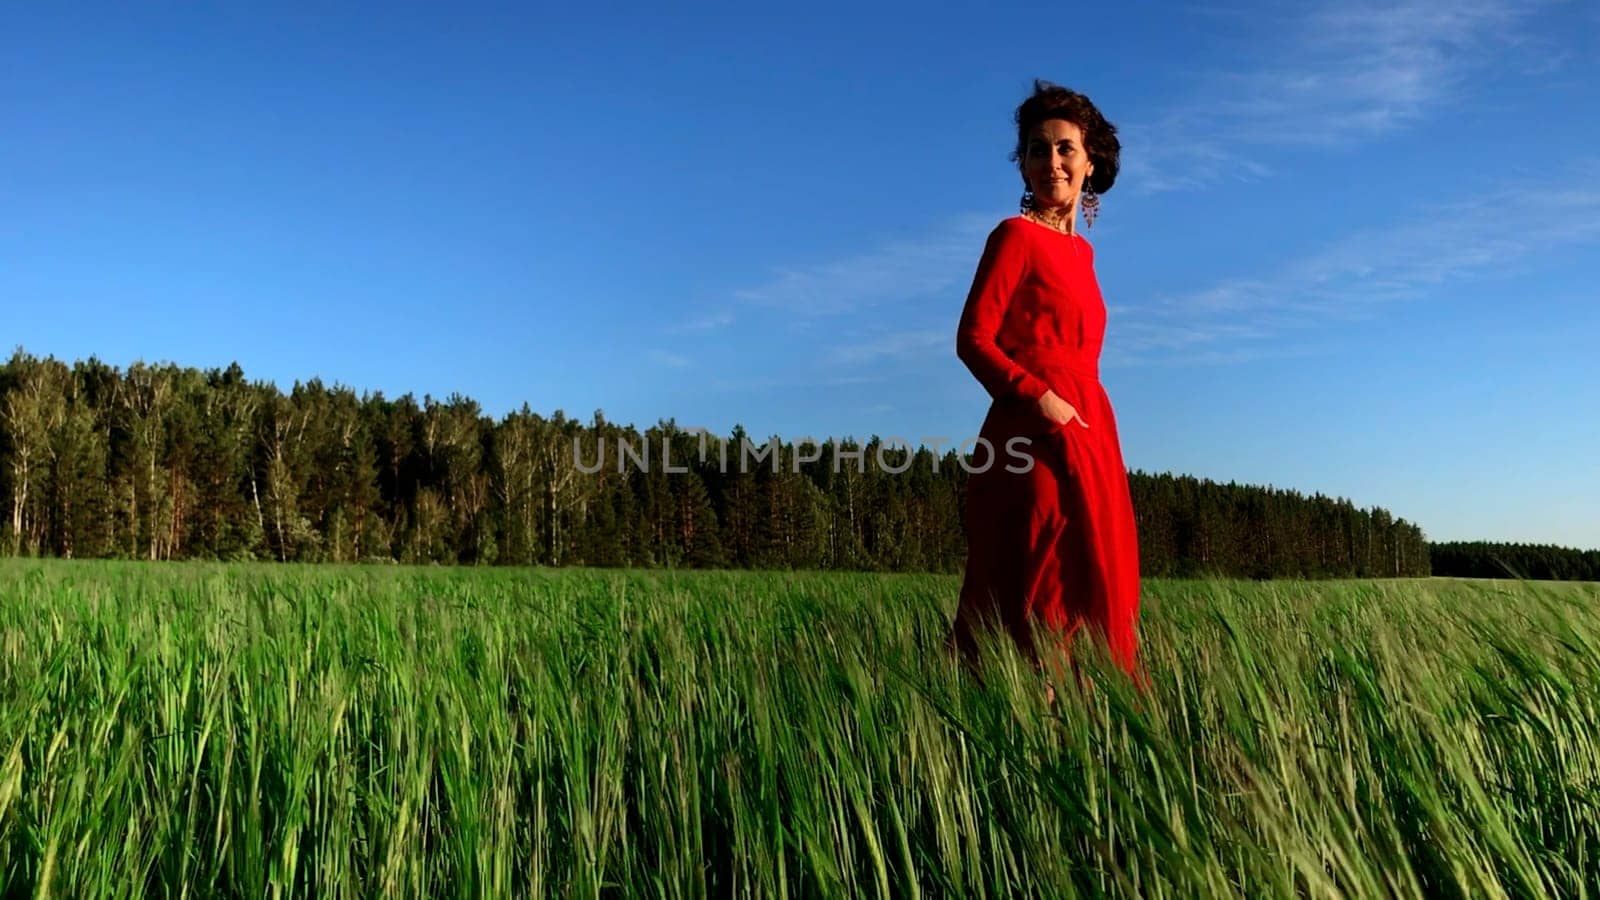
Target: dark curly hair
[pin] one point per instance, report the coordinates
(1052, 101)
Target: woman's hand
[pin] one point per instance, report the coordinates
(1057, 410)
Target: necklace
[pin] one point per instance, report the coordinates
(1034, 216)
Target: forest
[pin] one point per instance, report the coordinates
(163, 462)
(1538, 562)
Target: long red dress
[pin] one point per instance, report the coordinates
(1057, 543)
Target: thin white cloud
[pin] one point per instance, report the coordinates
(1350, 276)
(1117, 358)
(669, 359)
(841, 305)
(914, 342)
(790, 382)
(1349, 71)
(930, 264)
(707, 322)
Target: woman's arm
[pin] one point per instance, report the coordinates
(1000, 270)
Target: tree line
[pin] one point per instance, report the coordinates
(1483, 559)
(162, 462)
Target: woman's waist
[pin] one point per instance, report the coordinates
(1041, 359)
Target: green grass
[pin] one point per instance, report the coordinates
(267, 731)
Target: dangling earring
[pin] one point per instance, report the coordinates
(1027, 201)
(1090, 201)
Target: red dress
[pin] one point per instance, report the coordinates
(1057, 543)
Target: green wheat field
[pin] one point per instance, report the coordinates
(226, 730)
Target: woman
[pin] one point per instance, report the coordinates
(1054, 545)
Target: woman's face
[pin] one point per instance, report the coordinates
(1055, 163)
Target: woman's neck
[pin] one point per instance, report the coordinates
(1058, 217)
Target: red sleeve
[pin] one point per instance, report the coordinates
(1000, 270)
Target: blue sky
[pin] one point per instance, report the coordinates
(1353, 248)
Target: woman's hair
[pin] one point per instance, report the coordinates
(1051, 101)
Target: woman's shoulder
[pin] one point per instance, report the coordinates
(1012, 238)
(1013, 224)
(1012, 231)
